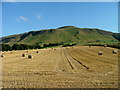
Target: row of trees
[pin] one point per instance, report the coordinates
(58, 44)
(52, 44)
(114, 45)
(65, 45)
(6, 47)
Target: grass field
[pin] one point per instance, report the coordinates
(68, 67)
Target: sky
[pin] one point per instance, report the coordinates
(20, 17)
(60, 0)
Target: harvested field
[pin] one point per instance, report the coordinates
(78, 67)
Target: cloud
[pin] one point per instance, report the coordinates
(23, 18)
(38, 16)
(8, 0)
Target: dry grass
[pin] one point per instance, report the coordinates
(78, 67)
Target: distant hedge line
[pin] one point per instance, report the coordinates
(114, 45)
(6, 47)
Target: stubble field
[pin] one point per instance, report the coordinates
(66, 67)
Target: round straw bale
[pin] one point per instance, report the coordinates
(23, 55)
(30, 56)
(114, 51)
(1, 55)
(89, 46)
(100, 53)
(105, 45)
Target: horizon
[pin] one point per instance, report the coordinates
(33, 16)
(54, 28)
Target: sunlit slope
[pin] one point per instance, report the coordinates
(66, 34)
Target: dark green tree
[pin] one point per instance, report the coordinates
(16, 47)
(24, 46)
(6, 47)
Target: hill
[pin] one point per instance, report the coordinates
(65, 34)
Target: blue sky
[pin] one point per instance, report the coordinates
(20, 17)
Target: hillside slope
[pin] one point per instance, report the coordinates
(65, 34)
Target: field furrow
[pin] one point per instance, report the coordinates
(76, 67)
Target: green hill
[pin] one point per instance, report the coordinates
(65, 34)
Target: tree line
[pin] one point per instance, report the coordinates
(6, 47)
(114, 45)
